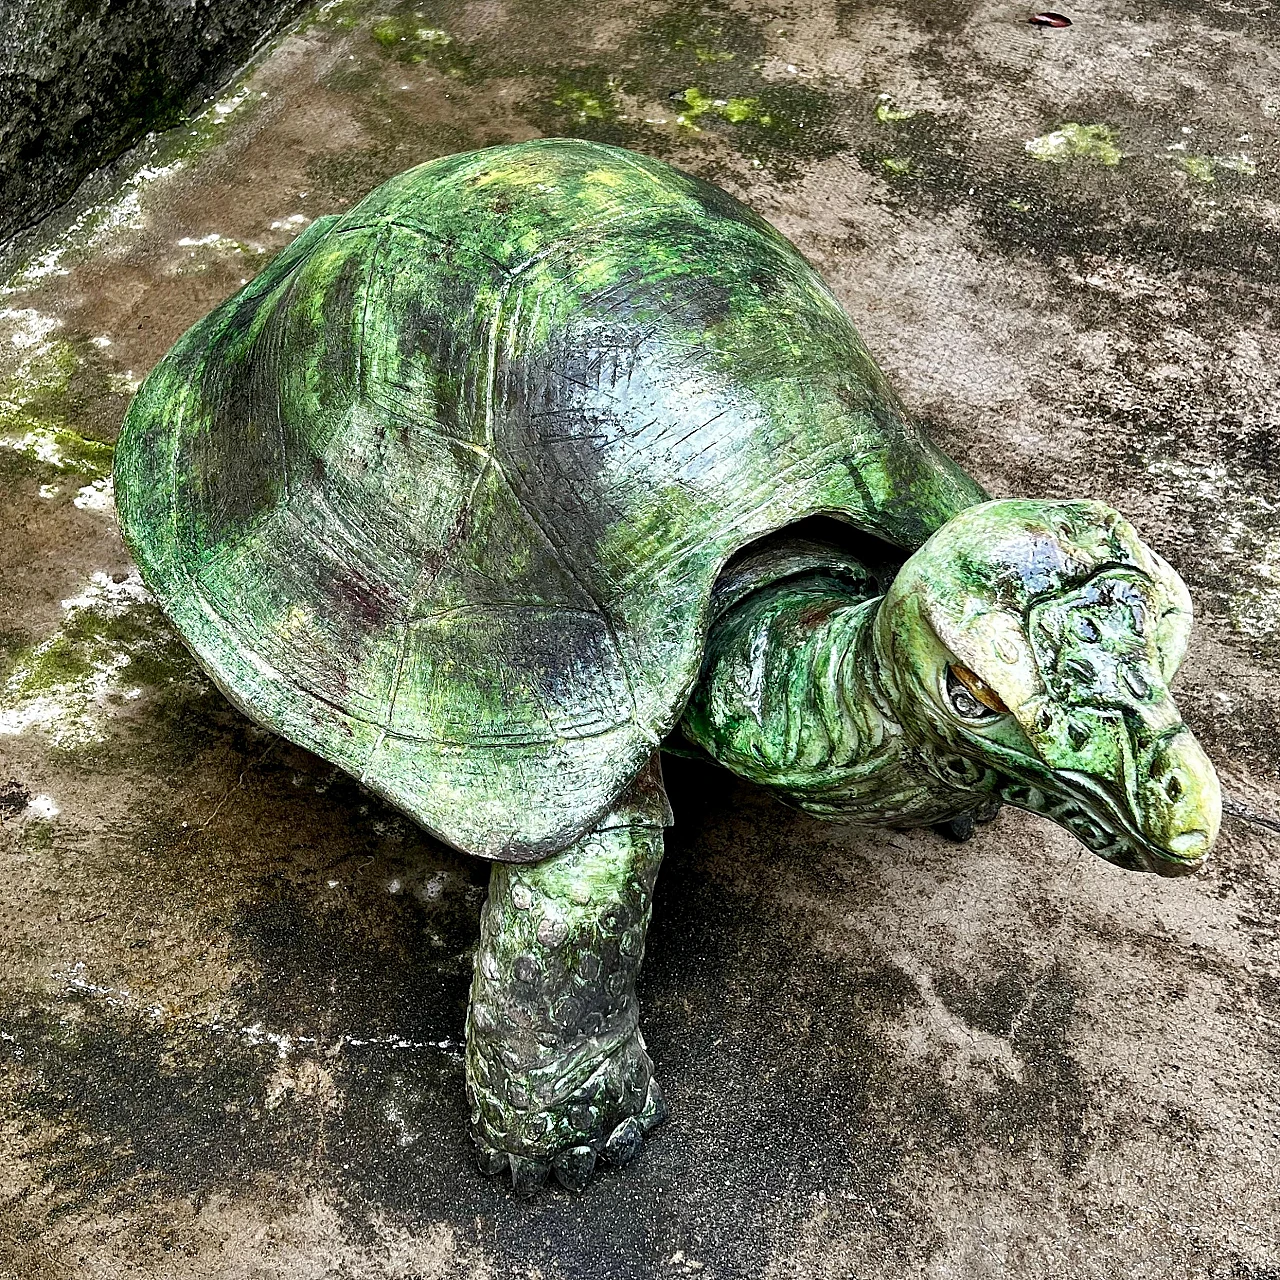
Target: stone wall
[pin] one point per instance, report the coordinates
(83, 80)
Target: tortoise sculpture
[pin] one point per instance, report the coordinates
(547, 453)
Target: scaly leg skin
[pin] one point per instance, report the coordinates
(557, 1073)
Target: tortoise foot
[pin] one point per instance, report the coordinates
(958, 830)
(605, 1121)
(964, 827)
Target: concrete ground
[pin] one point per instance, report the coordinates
(233, 984)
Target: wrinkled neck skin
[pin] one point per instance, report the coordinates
(796, 695)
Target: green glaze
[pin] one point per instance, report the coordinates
(557, 1072)
(545, 455)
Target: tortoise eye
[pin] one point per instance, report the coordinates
(971, 698)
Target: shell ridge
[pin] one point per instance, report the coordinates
(309, 680)
(371, 266)
(564, 243)
(513, 738)
(163, 571)
(571, 572)
(276, 293)
(562, 561)
(491, 362)
(455, 536)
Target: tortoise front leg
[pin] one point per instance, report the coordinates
(557, 1073)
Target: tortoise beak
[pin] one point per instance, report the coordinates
(1109, 730)
(1178, 803)
(1137, 790)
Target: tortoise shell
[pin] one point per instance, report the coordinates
(441, 495)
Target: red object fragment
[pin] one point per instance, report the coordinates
(1049, 19)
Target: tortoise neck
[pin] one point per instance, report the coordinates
(896, 782)
(798, 695)
(788, 697)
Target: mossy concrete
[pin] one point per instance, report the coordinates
(233, 985)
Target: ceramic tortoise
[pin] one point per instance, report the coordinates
(546, 456)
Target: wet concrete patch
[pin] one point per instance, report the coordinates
(335, 1068)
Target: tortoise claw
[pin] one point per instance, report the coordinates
(655, 1108)
(528, 1173)
(573, 1168)
(623, 1144)
(958, 830)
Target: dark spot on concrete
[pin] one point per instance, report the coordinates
(367, 976)
(1244, 1270)
(14, 798)
(121, 1106)
(343, 177)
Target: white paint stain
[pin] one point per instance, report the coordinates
(30, 327)
(93, 228)
(286, 1045)
(216, 240)
(40, 444)
(221, 111)
(98, 496)
(73, 710)
(43, 806)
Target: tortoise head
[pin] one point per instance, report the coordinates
(1030, 646)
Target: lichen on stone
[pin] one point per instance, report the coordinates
(888, 113)
(1198, 167)
(33, 422)
(1205, 169)
(596, 103)
(734, 110)
(408, 37)
(1092, 143)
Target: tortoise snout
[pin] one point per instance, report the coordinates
(1179, 801)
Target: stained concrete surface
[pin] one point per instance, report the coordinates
(233, 984)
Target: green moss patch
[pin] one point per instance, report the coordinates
(1090, 143)
(1206, 169)
(43, 402)
(410, 37)
(887, 113)
(735, 110)
(112, 647)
